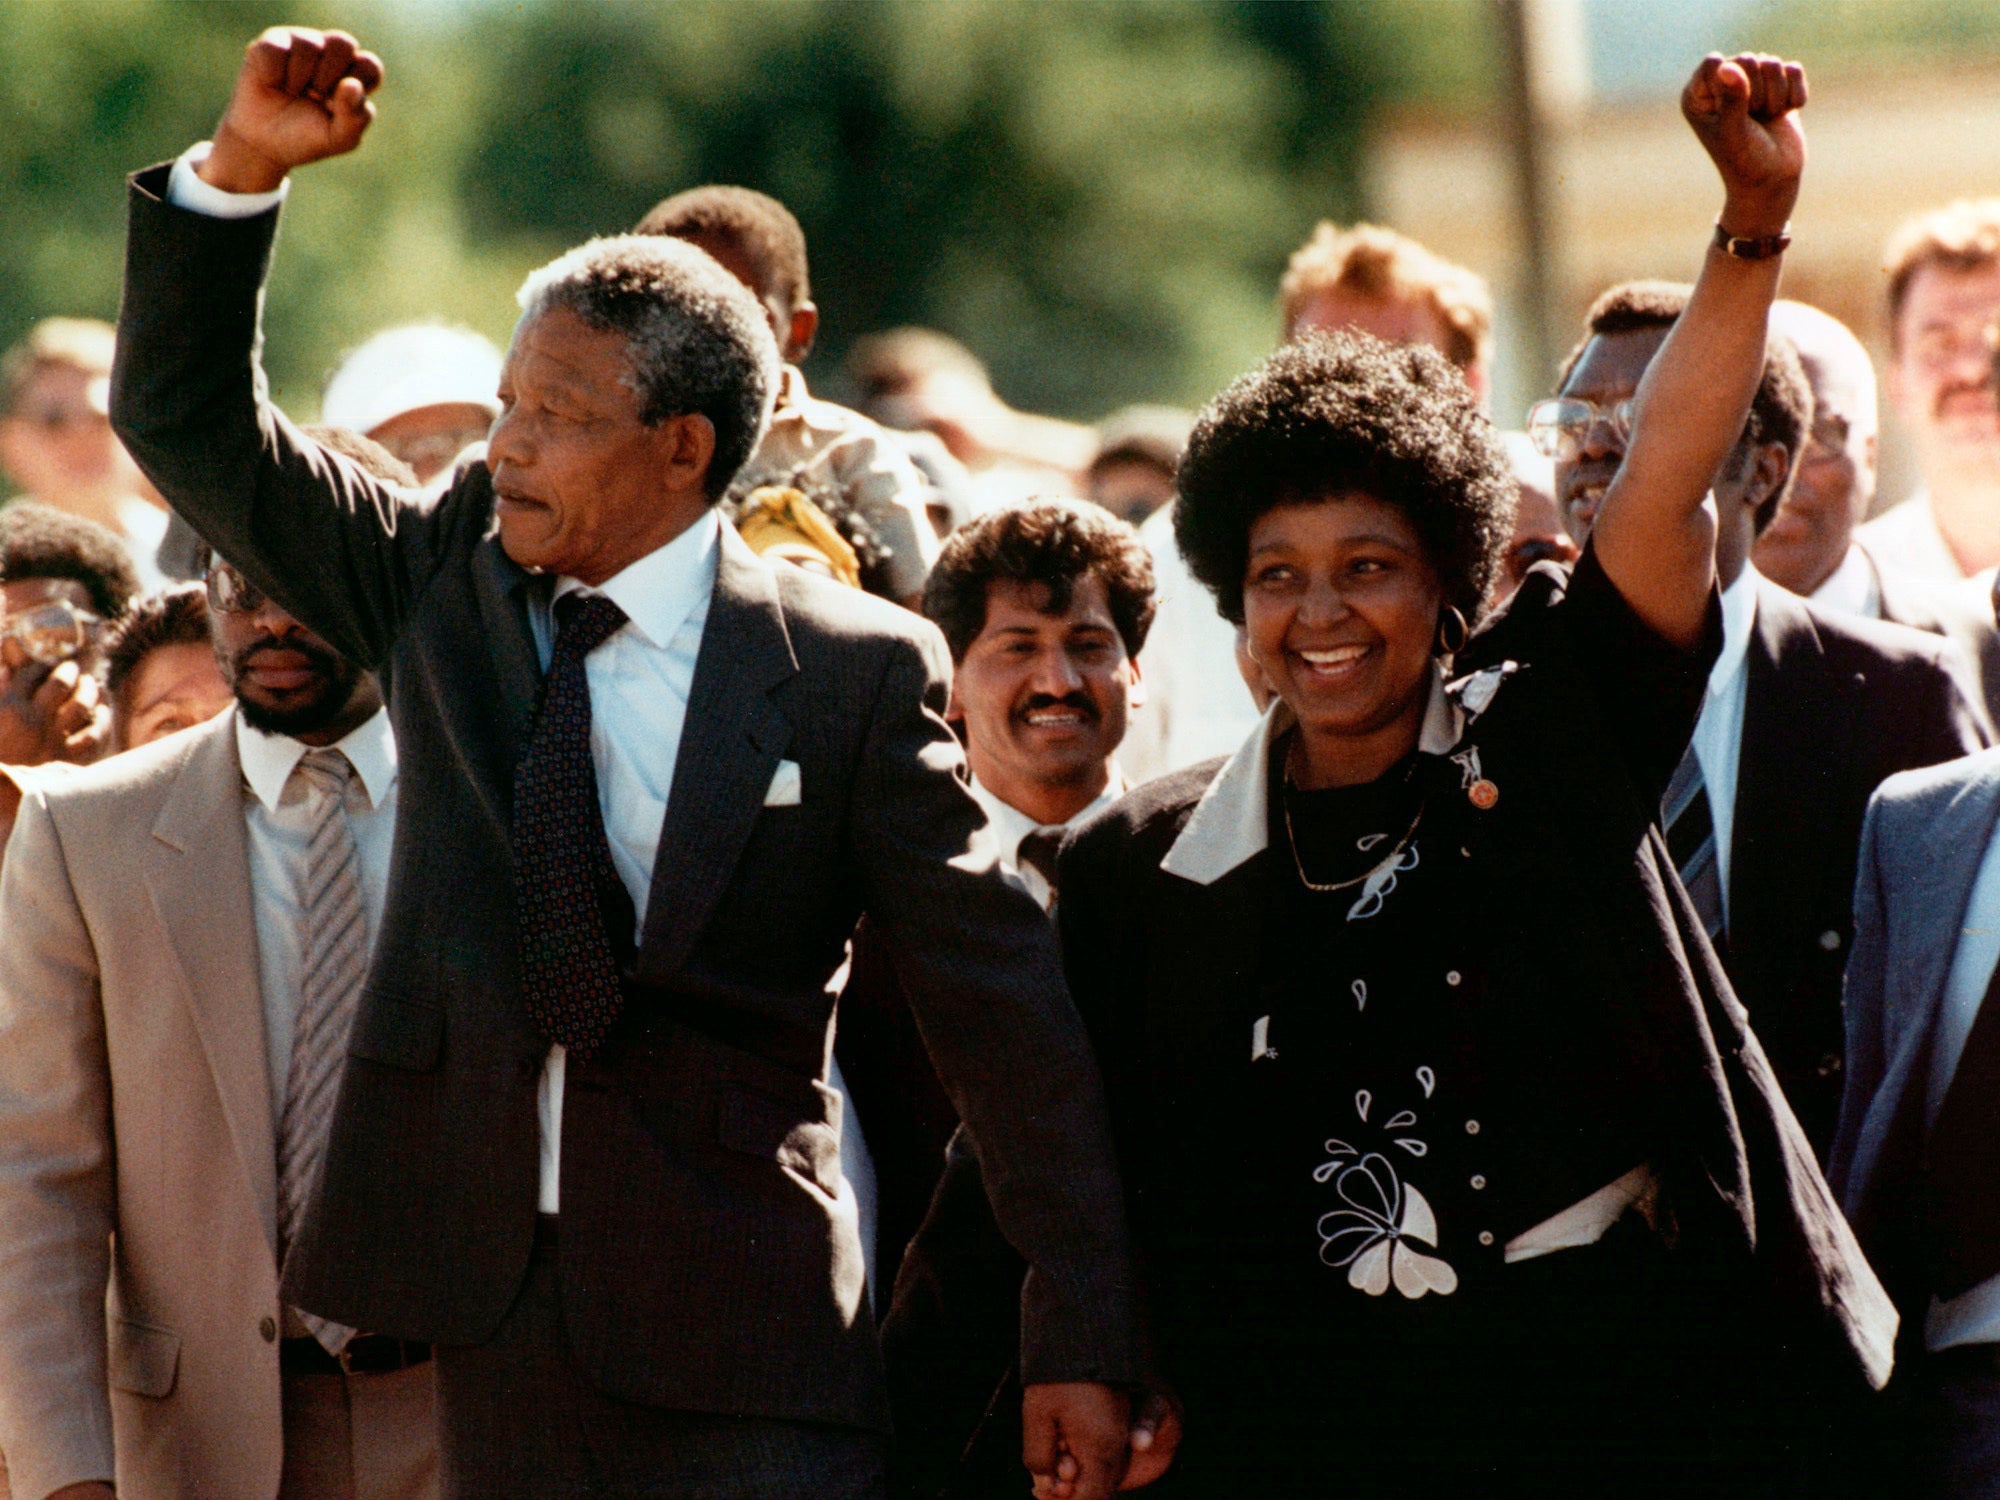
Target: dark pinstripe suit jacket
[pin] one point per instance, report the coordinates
(706, 1265)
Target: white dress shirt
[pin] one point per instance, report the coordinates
(1010, 825)
(1718, 733)
(1906, 536)
(1851, 589)
(639, 680)
(1972, 1317)
(279, 810)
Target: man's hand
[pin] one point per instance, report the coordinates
(1075, 1439)
(1742, 111)
(302, 96)
(1156, 1436)
(49, 713)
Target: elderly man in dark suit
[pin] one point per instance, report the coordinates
(1806, 711)
(1811, 546)
(651, 783)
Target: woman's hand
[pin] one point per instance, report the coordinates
(1744, 113)
(1156, 1437)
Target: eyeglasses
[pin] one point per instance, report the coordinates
(230, 592)
(52, 633)
(1559, 427)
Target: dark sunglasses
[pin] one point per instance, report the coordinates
(230, 592)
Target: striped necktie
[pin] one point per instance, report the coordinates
(334, 957)
(1689, 825)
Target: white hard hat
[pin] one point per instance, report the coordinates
(406, 369)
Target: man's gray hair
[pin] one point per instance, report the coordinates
(699, 339)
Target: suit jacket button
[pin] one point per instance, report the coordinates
(269, 1329)
(1830, 941)
(1829, 1065)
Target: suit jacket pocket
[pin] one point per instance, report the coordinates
(144, 1358)
(763, 1127)
(402, 1030)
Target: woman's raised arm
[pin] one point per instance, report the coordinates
(1655, 536)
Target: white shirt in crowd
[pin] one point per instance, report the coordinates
(279, 810)
(1972, 1317)
(1718, 733)
(1010, 825)
(1851, 588)
(1196, 704)
(1906, 536)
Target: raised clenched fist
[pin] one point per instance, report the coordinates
(1744, 111)
(302, 96)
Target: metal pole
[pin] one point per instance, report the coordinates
(1525, 126)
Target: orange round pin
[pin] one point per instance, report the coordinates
(1483, 794)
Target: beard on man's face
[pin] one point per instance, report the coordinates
(298, 710)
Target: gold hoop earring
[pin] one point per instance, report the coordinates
(1452, 632)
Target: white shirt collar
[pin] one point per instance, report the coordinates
(1231, 823)
(1739, 614)
(662, 589)
(1010, 825)
(269, 759)
(1850, 589)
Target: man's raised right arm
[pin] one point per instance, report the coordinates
(341, 551)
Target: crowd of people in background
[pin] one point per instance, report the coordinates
(1379, 946)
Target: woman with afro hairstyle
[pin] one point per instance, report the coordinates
(1453, 1167)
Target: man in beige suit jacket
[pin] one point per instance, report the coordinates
(153, 906)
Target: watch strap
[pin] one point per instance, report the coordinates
(1744, 248)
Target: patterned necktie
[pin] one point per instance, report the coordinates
(1689, 824)
(334, 958)
(571, 904)
(1037, 852)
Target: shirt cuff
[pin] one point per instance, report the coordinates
(185, 189)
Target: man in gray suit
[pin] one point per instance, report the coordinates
(584, 1144)
(1916, 1160)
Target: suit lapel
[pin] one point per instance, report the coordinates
(732, 743)
(196, 868)
(1799, 719)
(1938, 874)
(501, 586)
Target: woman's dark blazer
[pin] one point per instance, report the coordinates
(1151, 953)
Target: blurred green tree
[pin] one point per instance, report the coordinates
(1093, 195)
(1097, 196)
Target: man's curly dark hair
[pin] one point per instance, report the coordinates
(1336, 415)
(1055, 543)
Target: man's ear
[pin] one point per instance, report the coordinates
(688, 446)
(805, 328)
(1771, 466)
(1135, 691)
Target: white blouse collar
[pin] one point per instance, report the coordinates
(1231, 823)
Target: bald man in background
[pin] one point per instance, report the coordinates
(1811, 546)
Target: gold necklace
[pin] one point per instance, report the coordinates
(1343, 885)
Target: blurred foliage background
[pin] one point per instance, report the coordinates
(1096, 195)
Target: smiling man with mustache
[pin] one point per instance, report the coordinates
(1045, 607)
